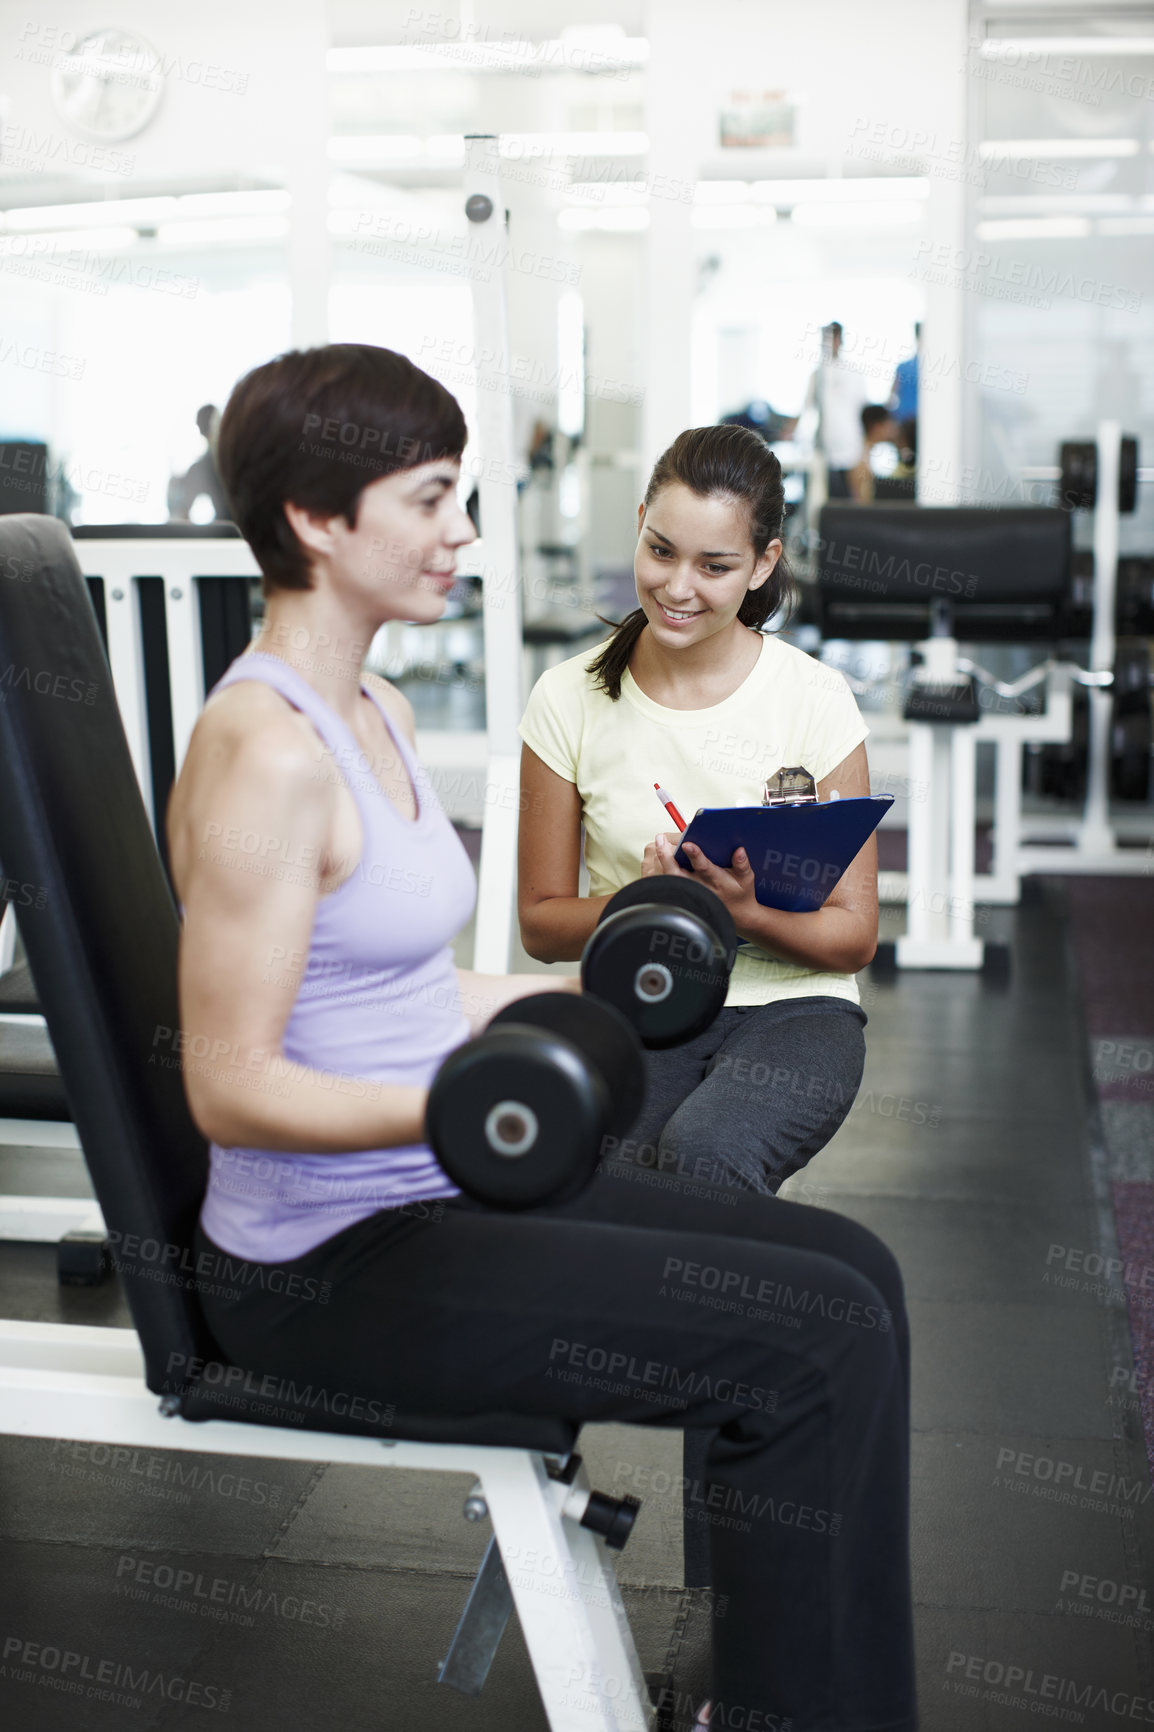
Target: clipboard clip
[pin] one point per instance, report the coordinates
(789, 787)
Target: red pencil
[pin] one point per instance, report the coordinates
(669, 806)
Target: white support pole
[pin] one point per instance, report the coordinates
(1095, 832)
(126, 660)
(185, 659)
(7, 938)
(920, 835)
(584, 1687)
(501, 587)
(1005, 873)
(960, 922)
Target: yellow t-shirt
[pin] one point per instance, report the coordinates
(789, 710)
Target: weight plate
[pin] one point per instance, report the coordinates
(1128, 475)
(661, 967)
(1078, 485)
(516, 1118)
(605, 1039)
(680, 893)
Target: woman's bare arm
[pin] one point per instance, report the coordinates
(248, 917)
(555, 921)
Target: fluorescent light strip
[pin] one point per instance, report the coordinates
(620, 54)
(994, 148)
(601, 193)
(245, 231)
(857, 216)
(616, 219)
(1036, 229)
(1128, 225)
(114, 212)
(733, 216)
(448, 149)
(69, 241)
(1013, 47)
(833, 191)
(1062, 204)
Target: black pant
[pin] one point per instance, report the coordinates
(744, 1105)
(775, 1329)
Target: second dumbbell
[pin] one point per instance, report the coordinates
(662, 954)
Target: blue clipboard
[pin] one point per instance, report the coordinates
(798, 853)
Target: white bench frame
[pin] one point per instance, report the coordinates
(87, 1384)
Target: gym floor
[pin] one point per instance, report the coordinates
(979, 1150)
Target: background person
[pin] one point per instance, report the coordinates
(904, 391)
(203, 477)
(878, 428)
(839, 394)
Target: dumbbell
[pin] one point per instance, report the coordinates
(662, 953)
(518, 1116)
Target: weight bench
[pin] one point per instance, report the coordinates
(103, 950)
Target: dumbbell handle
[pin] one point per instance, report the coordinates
(1051, 472)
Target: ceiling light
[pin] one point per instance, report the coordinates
(388, 147)
(602, 193)
(1056, 203)
(993, 148)
(1035, 229)
(713, 192)
(1127, 225)
(242, 231)
(1017, 47)
(606, 49)
(612, 220)
(69, 241)
(146, 212)
(733, 216)
(857, 216)
(838, 191)
(519, 145)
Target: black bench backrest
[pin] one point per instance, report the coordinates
(100, 928)
(1005, 572)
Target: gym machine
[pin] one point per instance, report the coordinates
(927, 575)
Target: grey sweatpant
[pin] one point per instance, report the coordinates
(748, 1102)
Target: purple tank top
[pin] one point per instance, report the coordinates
(376, 1000)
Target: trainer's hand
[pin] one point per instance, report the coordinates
(734, 884)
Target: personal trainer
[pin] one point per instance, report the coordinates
(693, 692)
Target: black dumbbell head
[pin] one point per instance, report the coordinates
(518, 1117)
(680, 893)
(662, 953)
(1078, 480)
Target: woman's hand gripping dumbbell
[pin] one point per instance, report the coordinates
(519, 1116)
